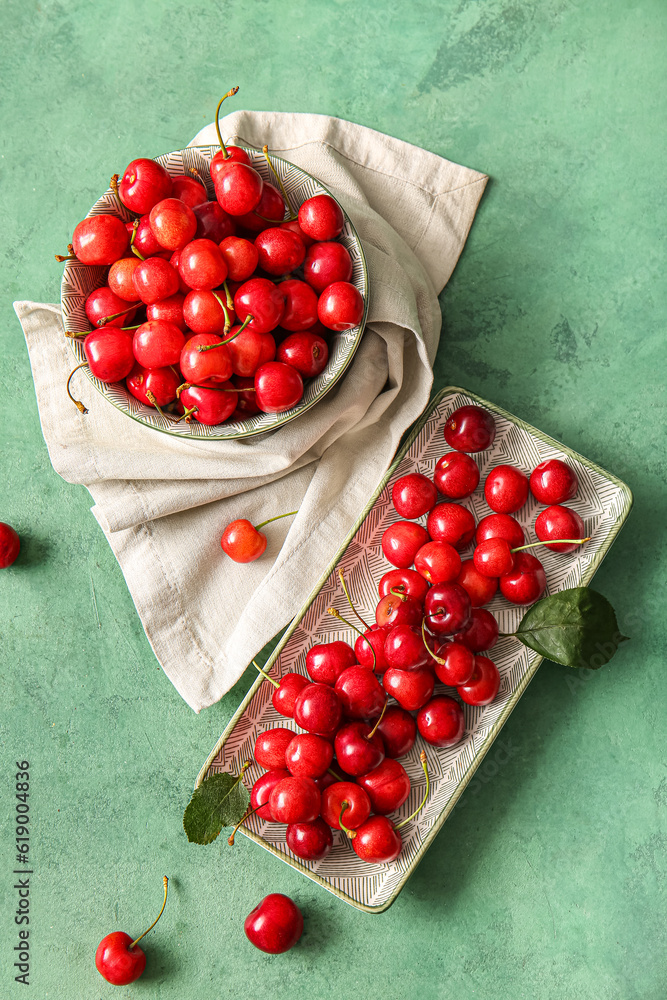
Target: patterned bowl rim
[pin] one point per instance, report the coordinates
(272, 421)
(494, 730)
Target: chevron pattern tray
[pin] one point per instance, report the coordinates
(603, 502)
(79, 280)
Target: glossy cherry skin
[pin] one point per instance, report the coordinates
(482, 632)
(559, 522)
(456, 475)
(242, 541)
(157, 344)
(169, 310)
(506, 489)
(109, 353)
(103, 302)
(155, 279)
(326, 661)
(438, 562)
(294, 227)
(360, 693)
(213, 223)
(261, 792)
(326, 263)
(295, 800)
(200, 366)
(321, 218)
(340, 306)
(304, 351)
(377, 841)
(393, 610)
(275, 925)
(201, 265)
(220, 162)
(358, 805)
(552, 482)
(278, 387)
(280, 251)
(240, 256)
(404, 648)
(284, 697)
(480, 588)
(526, 582)
(414, 495)
(355, 752)
(398, 730)
(207, 312)
(450, 522)
(263, 300)
(410, 688)
(441, 722)
(406, 581)
(300, 305)
(500, 526)
(447, 608)
(249, 350)
(100, 239)
(162, 384)
(318, 710)
(270, 747)
(493, 557)
(10, 545)
(144, 239)
(387, 785)
(115, 962)
(271, 207)
(470, 429)
(238, 188)
(173, 223)
(373, 637)
(120, 278)
(483, 686)
(308, 755)
(189, 190)
(310, 841)
(212, 403)
(458, 665)
(401, 541)
(144, 183)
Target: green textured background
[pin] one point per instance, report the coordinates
(549, 879)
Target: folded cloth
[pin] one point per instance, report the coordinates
(163, 501)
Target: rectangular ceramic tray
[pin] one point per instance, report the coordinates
(603, 502)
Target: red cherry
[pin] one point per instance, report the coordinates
(157, 344)
(10, 545)
(340, 306)
(270, 747)
(206, 312)
(261, 792)
(100, 239)
(213, 223)
(404, 648)
(455, 664)
(356, 750)
(377, 841)
(223, 158)
(559, 522)
(118, 958)
(358, 805)
(201, 265)
(270, 210)
(500, 526)
(401, 541)
(398, 610)
(162, 384)
(300, 305)
(144, 239)
(318, 710)
(483, 686)
(447, 608)
(470, 428)
(441, 722)
(242, 541)
(109, 353)
(414, 495)
(308, 755)
(173, 223)
(304, 351)
(410, 688)
(155, 279)
(295, 800)
(387, 785)
(263, 300)
(278, 387)
(276, 924)
(360, 693)
(280, 251)
(103, 302)
(188, 190)
(210, 403)
(373, 637)
(240, 256)
(493, 557)
(321, 217)
(480, 588)
(143, 184)
(238, 188)
(120, 278)
(456, 475)
(326, 263)
(481, 634)
(438, 562)
(506, 489)
(284, 696)
(552, 482)
(310, 841)
(200, 366)
(294, 227)
(407, 581)
(398, 730)
(526, 582)
(249, 350)
(169, 310)
(450, 522)
(326, 661)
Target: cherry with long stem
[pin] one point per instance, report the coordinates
(107, 319)
(343, 807)
(221, 343)
(337, 614)
(230, 93)
(341, 577)
(424, 764)
(77, 402)
(136, 941)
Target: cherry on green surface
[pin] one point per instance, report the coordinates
(118, 959)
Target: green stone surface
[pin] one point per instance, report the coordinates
(549, 879)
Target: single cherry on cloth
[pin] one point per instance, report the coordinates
(261, 792)
(480, 588)
(405, 581)
(10, 545)
(100, 239)
(310, 841)
(357, 807)
(438, 562)
(326, 661)
(153, 386)
(238, 188)
(155, 279)
(404, 648)
(360, 693)
(300, 306)
(286, 691)
(118, 959)
(398, 730)
(454, 663)
(304, 351)
(262, 300)
(270, 747)
(104, 308)
(470, 429)
(326, 263)
(451, 522)
(378, 840)
(157, 344)
(500, 526)
(483, 686)
(414, 495)
(308, 755)
(506, 489)
(321, 218)
(410, 688)
(552, 482)
(295, 800)
(244, 542)
(526, 582)
(358, 748)
(109, 353)
(275, 925)
(340, 306)
(456, 475)
(401, 541)
(144, 183)
(318, 710)
(441, 721)
(278, 387)
(447, 608)
(560, 522)
(173, 223)
(482, 632)
(280, 251)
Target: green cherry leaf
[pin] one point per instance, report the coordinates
(221, 800)
(576, 627)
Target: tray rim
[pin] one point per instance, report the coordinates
(533, 663)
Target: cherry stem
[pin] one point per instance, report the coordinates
(337, 614)
(249, 318)
(265, 675)
(73, 336)
(374, 729)
(422, 760)
(61, 258)
(187, 415)
(553, 541)
(164, 903)
(77, 402)
(292, 216)
(333, 773)
(247, 814)
(343, 807)
(276, 518)
(124, 312)
(438, 659)
(349, 599)
(151, 399)
(228, 294)
(399, 593)
(230, 93)
(135, 226)
(226, 310)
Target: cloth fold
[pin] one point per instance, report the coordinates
(163, 501)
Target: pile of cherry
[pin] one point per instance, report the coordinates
(201, 312)
(343, 772)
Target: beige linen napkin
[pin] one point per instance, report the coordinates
(163, 501)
